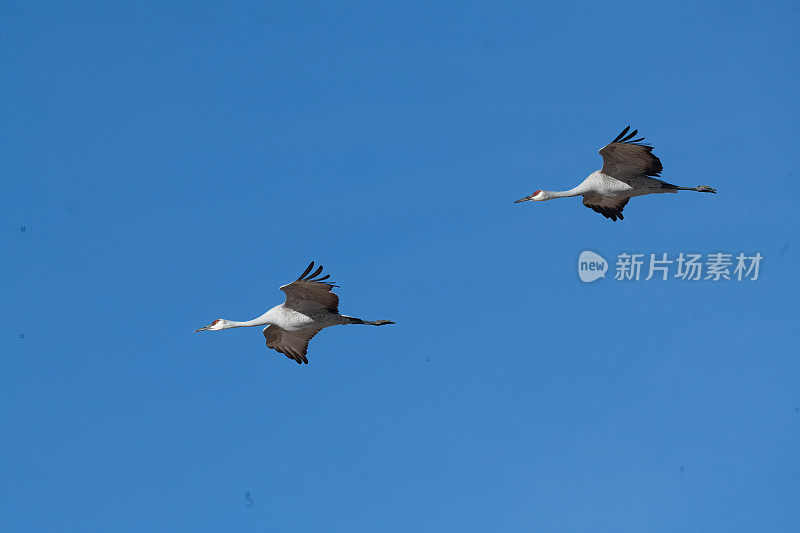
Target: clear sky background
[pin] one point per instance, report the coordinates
(166, 165)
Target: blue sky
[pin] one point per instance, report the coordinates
(175, 164)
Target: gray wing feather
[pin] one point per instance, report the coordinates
(292, 344)
(608, 207)
(311, 293)
(625, 158)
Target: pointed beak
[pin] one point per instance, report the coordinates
(202, 329)
(523, 199)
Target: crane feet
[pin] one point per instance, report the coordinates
(354, 320)
(705, 188)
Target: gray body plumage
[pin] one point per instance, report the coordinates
(629, 169)
(310, 307)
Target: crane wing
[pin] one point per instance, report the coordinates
(311, 293)
(608, 207)
(624, 158)
(292, 344)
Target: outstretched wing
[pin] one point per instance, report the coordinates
(625, 157)
(311, 293)
(293, 344)
(608, 207)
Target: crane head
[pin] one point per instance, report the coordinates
(536, 196)
(214, 326)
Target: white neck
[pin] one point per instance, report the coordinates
(577, 191)
(260, 321)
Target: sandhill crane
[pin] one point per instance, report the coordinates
(310, 306)
(629, 169)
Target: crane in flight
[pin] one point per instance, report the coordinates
(310, 306)
(629, 169)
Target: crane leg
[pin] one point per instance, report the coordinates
(699, 188)
(354, 320)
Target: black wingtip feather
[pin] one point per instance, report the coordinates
(306, 271)
(621, 134)
(630, 136)
(316, 273)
